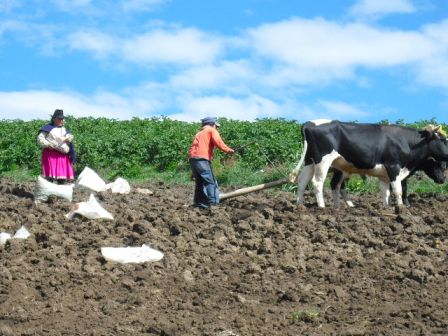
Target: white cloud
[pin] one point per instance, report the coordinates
(28, 105)
(7, 6)
(98, 43)
(340, 110)
(71, 4)
(178, 47)
(182, 46)
(141, 5)
(287, 74)
(324, 44)
(246, 108)
(214, 76)
(378, 8)
(11, 26)
(434, 70)
(310, 52)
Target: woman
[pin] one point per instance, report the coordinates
(58, 152)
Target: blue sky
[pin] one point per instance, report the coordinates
(363, 60)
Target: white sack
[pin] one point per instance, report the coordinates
(4, 237)
(58, 143)
(45, 188)
(22, 233)
(90, 209)
(120, 186)
(91, 180)
(131, 254)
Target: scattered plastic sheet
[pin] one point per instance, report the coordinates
(45, 188)
(131, 254)
(4, 237)
(21, 233)
(91, 180)
(90, 209)
(119, 186)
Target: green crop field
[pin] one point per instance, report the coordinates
(157, 148)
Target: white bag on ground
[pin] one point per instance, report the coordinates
(120, 186)
(4, 237)
(90, 209)
(131, 254)
(45, 188)
(22, 233)
(91, 180)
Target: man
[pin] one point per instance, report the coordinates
(206, 191)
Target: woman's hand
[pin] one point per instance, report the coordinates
(68, 138)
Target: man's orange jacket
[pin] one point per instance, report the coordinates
(204, 142)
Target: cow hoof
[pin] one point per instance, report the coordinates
(301, 207)
(401, 209)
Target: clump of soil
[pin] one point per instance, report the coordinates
(255, 265)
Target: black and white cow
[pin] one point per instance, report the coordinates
(389, 152)
(433, 168)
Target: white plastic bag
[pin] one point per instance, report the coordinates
(21, 233)
(45, 188)
(131, 254)
(91, 180)
(120, 186)
(90, 209)
(4, 237)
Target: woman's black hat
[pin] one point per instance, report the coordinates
(58, 113)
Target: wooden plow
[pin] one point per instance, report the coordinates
(248, 190)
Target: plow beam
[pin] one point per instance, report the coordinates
(248, 190)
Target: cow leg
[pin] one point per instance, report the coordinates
(320, 173)
(385, 193)
(304, 178)
(396, 188)
(344, 193)
(404, 188)
(339, 188)
(337, 184)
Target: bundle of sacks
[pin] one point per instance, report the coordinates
(88, 179)
(92, 209)
(21, 233)
(91, 180)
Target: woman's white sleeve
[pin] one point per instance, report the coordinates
(42, 140)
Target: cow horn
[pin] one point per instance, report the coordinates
(435, 129)
(441, 131)
(431, 128)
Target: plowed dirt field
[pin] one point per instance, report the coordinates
(256, 265)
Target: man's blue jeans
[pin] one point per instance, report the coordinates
(206, 191)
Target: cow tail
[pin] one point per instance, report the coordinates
(295, 173)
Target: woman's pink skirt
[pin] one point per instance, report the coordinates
(56, 165)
